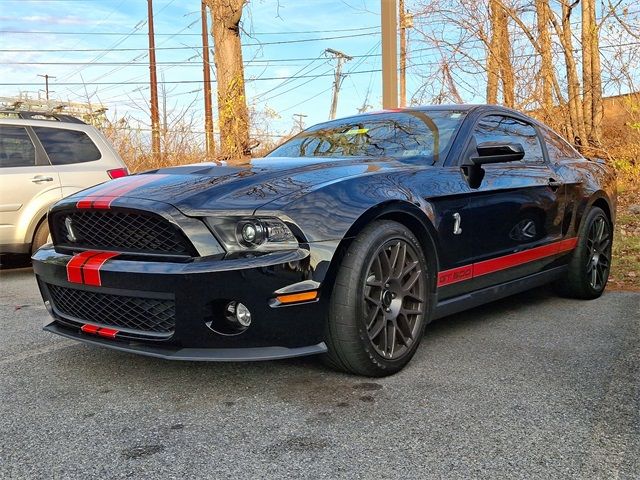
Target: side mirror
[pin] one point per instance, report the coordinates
(497, 152)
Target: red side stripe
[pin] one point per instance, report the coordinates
(467, 272)
(74, 267)
(92, 329)
(514, 259)
(91, 269)
(108, 332)
(455, 275)
(567, 245)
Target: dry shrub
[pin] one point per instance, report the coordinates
(621, 138)
(180, 145)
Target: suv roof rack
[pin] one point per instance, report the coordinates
(31, 115)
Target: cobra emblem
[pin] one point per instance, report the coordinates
(71, 235)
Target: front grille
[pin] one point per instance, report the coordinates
(134, 313)
(127, 231)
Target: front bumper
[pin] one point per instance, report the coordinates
(199, 290)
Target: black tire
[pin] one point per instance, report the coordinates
(590, 262)
(377, 319)
(41, 236)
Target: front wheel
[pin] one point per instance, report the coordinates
(589, 266)
(379, 303)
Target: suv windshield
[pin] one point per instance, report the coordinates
(409, 133)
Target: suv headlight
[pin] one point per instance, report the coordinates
(252, 233)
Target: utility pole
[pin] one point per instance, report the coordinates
(155, 116)
(389, 24)
(406, 22)
(46, 84)
(208, 114)
(341, 57)
(300, 120)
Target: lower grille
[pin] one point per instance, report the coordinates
(133, 313)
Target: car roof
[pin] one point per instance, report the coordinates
(36, 115)
(464, 107)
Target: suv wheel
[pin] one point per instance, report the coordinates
(41, 236)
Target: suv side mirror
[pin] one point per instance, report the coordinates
(497, 152)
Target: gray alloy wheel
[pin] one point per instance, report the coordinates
(393, 295)
(599, 247)
(588, 271)
(380, 301)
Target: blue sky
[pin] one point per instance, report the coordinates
(90, 24)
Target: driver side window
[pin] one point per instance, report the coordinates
(499, 128)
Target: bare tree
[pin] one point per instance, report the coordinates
(233, 115)
(499, 67)
(591, 74)
(547, 73)
(565, 35)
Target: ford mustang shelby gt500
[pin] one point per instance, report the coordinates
(344, 241)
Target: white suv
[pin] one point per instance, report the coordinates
(43, 158)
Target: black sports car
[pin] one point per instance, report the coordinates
(344, 241)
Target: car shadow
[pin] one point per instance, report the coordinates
(13, 261)
(494, 309)
(304, 380)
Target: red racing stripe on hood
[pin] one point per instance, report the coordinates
(103, 197)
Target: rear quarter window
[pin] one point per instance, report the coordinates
(66, 147)
(558, 149)
(16, 148)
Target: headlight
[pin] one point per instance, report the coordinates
(252, 233)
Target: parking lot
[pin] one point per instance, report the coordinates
(529, 387)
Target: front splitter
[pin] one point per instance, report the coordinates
(253, 354)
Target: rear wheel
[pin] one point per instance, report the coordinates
(379, 303)
(41, 236)
(591, 261)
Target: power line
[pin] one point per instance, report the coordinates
(184, 62)
(169, 81)
(273, 78)
(195, 47)
(258, 44)
(292, 78)
(106, 51)
(311, 79)
(300, 32)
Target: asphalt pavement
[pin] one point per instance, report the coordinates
(533, 386)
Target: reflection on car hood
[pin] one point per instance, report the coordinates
(206, 187)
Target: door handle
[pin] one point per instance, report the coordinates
(554, 184)
(41, 178)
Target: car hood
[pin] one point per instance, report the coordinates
(206, 187)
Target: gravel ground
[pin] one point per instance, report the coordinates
(529, 387)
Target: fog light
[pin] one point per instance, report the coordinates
(239, 313)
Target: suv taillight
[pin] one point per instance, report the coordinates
(118, 172)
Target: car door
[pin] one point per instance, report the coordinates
(515, 213)
(29, 184)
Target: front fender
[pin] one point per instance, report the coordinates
(331, 212)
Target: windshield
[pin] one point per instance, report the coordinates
(394, 134)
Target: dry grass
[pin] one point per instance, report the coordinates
(625, 271)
